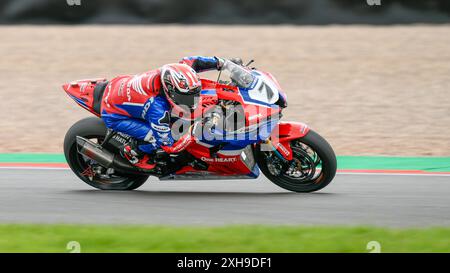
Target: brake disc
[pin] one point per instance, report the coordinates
(274, 165)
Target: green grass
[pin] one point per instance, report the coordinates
(252, 238)
(433, 164)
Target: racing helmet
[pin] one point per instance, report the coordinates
(181, 85)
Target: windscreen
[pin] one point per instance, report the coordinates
(238, 74)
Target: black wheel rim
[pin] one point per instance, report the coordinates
(304, 169)
(95, 173)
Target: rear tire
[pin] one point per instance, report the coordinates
(327, 169)
(94, 128)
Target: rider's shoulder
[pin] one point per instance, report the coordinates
(160, 100)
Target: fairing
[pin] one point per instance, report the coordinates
(234, 157)
(82, 92)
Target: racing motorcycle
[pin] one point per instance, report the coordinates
(237, 134)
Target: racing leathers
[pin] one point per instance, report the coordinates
(137, 106)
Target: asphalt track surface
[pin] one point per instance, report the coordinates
(57, 196)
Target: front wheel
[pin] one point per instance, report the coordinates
(87, 169)
(312, 168)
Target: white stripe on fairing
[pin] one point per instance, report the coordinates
(230, 152)
(252, 103)
(204, 144)
(133, 103)
(224, 152)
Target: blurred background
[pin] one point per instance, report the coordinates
(226, 11)
(373, 77)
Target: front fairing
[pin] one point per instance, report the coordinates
(256, 94)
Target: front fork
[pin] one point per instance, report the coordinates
(268, 146)
(281, 137)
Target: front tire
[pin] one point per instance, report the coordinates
(94, 129)
(312, 155)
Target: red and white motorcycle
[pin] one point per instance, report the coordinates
(245, 136)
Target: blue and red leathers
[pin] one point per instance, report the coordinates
(137, 106)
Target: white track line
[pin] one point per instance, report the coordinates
(33, 168)
(404, 174)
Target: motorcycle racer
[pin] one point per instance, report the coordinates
(140, 105)
(235, 131)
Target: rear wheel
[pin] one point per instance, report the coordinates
(312, 168)
(89, 170)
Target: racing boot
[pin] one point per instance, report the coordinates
(131, 153)
(146, 162)
(136, 157)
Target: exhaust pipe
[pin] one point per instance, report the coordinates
(104, 157)
(94, 152)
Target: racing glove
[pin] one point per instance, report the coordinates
(221, 62)
(181, 144)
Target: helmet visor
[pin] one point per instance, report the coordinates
(189, 100)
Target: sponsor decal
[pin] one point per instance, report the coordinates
(303, 129)
(182, 145)
(122, 84)
(146, 107)
(283, 149)
(119, 139)
(219, 159)
(129, 91)
(160, 128)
